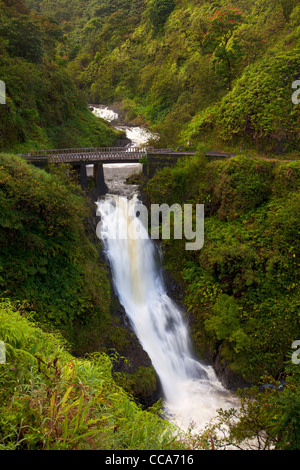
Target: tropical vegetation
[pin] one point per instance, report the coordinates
(206, 75)
(210, 73)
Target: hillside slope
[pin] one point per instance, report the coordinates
(44, 108)
(242, 287)
(50, 400)
(212, 74)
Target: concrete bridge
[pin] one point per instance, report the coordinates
(79, 158)
(86, 155)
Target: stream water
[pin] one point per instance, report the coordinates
(192, 391)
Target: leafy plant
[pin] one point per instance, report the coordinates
(225, 323)
(158, 11)
(50, 400)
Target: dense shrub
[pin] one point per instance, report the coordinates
(44, 107)
(45, 254)
(259, 110)
(50, 400)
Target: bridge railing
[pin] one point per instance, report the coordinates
(95, 153)
(154, 150)
(77, 151)
(104, 156)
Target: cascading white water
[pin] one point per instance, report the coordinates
(138, 136)
(105, 113)
(191, 388)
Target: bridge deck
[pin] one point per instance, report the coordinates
(96, 157)
(106, 154)
(85, 155)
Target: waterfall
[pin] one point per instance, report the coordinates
(138, 136)
(191, 389)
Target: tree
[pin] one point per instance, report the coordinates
(25, 38)
(287, 8)
(220, 41)
(225, 323)
(251, 41)
(158, 12)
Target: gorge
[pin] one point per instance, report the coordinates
(192, 392)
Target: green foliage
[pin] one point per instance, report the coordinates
(53, 401)
(46, 257)
(259, 110)
(242, 288)
(285, 221)
(219, 41)
(244, 184)
(24, 39)
(268, 419)
(221, 28)
(44, 108)
(225, 323)
(158, 11)
(218, 74)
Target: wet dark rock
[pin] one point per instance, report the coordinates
(122, 142)
(174, 290)
(229, 379)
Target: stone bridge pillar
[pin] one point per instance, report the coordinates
(98, 176)
(83, 176)
(99, 187)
